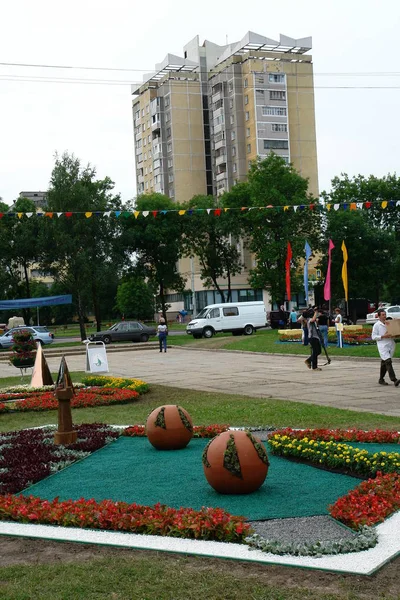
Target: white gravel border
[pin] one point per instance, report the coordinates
(361, 563)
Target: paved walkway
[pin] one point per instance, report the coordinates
(351, 384)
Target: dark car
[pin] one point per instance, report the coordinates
(125, 331)
(276, 319)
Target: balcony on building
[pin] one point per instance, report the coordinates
(157, 150)
(155, 122)
(154, 106)
(159, 188)
(217, 93)
(219, 140)
(157, 166)
(221, 176)
(220, 158)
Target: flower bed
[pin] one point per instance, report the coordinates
(116, 382)
(373, 500)
(205, 524)
(370, 502)
(335, 455)
(29, 455)
(378, 436)
(199, 431)
(83, 399)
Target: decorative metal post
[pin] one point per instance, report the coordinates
(64, 392)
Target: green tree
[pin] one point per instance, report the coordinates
(271, 182)
(81, 250)
(371, 234)
(156, 244)
(211, 237)
(135, 299)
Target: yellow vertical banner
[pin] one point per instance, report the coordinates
(344, 272)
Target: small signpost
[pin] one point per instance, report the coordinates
(96, 357)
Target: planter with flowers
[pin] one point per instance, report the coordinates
(24, 350)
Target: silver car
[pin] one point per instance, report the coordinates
(39, 333)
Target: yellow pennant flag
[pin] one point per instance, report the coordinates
(344, 272)
(88, 214)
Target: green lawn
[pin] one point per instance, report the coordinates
(267, 340)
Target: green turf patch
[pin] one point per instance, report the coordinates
(131, 470)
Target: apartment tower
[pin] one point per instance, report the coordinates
(200, 119)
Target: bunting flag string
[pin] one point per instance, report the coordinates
(216, 212)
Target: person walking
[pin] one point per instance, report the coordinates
(304, 326)
(386, 347)
(293, 319)
(323, 323)
(162, 332)
(313, 336)
(338, 320)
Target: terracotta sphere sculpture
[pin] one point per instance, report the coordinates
(169, 427)
(235, 462)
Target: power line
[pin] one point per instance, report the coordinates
(151, 69)
(112, 82)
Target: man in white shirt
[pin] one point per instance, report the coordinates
(386, 346)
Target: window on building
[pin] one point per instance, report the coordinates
(279, 127)
(277, 95)
(167, 117)
(248, 132)
(234, 167)
(170, 177)
(166, 102)
(233, 150)
(232, 119)
(233, 135)
(145, 170)
(273, 111)
(149, 152)
(168, 131)
(231, 103)
(248, 148)
(147, 185)
(246, 83)
(144, 142)
(276, 78)
(144, 127)
(247, 115)
(170, 162)
(149, 138)
(142, 112)
(169, 147)
(276, 144)
(246, 99)
(259, 80)
(171, 193)
(230, 86)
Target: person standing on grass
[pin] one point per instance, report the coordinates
(162, 332)
(304, 326)
(313, 338)
(386, 347)
(338, 320)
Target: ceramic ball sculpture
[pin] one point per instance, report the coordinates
(169, 427)
(235, 462)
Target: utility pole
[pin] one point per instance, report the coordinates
(192, 286)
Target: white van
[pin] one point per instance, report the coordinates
(234, 317)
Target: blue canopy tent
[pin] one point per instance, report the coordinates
(35, 302)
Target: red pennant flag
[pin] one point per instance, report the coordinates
(1, 215)
(68, 214)
(287, 265)
(312, 206)
(368, 205)
(154, 213)
(217, 212)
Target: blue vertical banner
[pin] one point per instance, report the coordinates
(308, 254)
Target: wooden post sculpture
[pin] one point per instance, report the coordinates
(64, 392)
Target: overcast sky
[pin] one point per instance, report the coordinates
(358, 130)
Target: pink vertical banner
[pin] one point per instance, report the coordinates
(289, 257)
(327, 286)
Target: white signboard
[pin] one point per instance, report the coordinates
(96, 358)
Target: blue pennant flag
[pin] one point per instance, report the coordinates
(308, 254)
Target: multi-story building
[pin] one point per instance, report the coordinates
(39, 198)
(200, 119)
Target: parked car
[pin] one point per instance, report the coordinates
(40, 334)
(275, 320)
(125, 331)
(392, 312)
